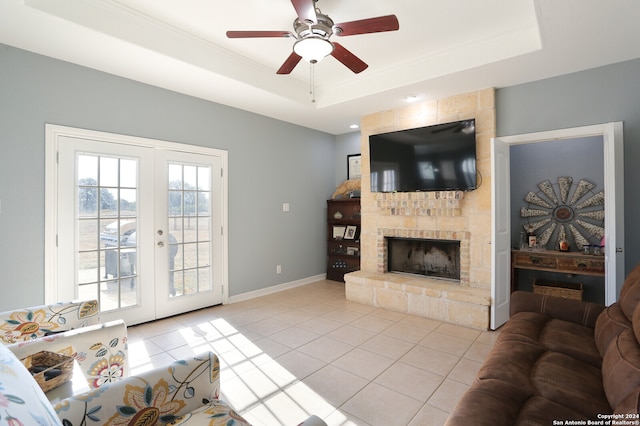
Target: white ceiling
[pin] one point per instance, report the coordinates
(442, 48)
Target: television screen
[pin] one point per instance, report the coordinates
(433, 158)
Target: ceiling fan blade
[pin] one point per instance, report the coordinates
(306, 10)
(349, 60)
(290, 63)
(366, 26)
(255, 34)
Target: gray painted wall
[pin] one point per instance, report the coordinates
(346, 144)
(601, 95)
(579, 158)
(270, 162)
(532, 163)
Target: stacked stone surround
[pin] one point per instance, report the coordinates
(451, 215)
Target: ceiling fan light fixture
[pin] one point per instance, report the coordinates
(313, 49)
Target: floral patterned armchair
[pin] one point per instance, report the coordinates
(73, 329)
(31, 323)
(186, 391)
(100, 351)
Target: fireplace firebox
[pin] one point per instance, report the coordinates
(429, 257)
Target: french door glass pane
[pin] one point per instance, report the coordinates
(189, 195)
(107, 217)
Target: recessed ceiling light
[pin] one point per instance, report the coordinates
(354, 126)
(412, 98)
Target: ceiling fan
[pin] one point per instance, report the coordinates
(312, 30)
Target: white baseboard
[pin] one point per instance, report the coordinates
(275, 289)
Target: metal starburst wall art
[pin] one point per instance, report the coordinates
(565, 211)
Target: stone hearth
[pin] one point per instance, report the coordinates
(448, 215)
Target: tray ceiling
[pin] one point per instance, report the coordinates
(441, 49)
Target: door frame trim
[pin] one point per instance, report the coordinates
(52, 134)
(613, 146)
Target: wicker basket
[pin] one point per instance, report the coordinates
(44, 367)
(558, 289)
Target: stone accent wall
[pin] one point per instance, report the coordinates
(446, 213)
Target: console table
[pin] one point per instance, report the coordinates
(555, 261)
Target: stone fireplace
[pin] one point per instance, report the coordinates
(457, 216)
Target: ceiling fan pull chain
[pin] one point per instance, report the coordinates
(312, 82)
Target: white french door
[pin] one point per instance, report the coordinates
(139, 225)
(188, 232)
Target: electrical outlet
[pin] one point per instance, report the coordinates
(278, 269)
(285, 207)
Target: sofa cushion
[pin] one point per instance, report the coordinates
(571, 339)
(621, 367)
(571, 383)
(21, 399)
(512, 363)
(609, 324)
(566, 337)
(539, 411)
(630, 293)
(578, 311)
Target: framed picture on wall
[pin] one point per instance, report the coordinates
(354, 166)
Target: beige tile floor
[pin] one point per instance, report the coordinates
(310, 351)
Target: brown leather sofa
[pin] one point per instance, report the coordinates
(560, 360)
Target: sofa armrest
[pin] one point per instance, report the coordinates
(162, 394)
(99, 350)
(576, 311)
(37, 321)
(21, 399)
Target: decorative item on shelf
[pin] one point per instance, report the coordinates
(339, 250)
(345, 188)
(563, 245)
(531, 237)
(351, 233)
(337, 215)
(340, 264)
(565, 212)
(338, 232)
(353, 251)
(523, 241)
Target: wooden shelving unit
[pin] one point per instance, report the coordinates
(343, 237)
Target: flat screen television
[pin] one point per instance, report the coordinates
(441, 157)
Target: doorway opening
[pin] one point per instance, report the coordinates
(612, 137)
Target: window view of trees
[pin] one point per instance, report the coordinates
(88, 198)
